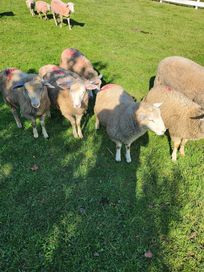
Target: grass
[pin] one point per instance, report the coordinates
(80, 211)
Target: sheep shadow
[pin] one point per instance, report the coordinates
(7, 13)
(73, 23)
(151, 82)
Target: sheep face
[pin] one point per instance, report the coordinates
(34, 90)
(77, 92)
(150, 117)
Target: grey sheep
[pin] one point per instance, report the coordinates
(182, 117)
(27, 92)
(125, 120)
(184, 76)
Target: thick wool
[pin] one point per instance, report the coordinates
(180, 114)
(184, 76)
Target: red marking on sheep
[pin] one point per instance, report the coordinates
(70, 52)
(9, 73)
(108, 86)
(169, 89)
(55, 68)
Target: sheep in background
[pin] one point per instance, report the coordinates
(61, 9)
(69, 96)
(31, 6)
(124, 119)
(184, 76)
(27, 92)
(47, 69)
(42, 7)
(73, 60)
(182, 117)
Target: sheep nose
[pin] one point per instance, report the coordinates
(35, 105)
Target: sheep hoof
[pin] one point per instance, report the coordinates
(19, 125)
(128, 160)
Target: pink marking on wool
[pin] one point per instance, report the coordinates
(59, 72)
(9, 73)
(70, 53)
(169, 89)
(60, 8)
(55, 68)
(108, 86)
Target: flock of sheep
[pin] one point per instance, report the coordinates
(58, 8)
(176, 102)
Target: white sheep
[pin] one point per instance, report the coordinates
(31, 6)
(125, 120)
(183, 75)
(62, 9)
(182, 117)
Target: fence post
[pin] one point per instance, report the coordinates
(196, 7)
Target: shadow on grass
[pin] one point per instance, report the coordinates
(151, 82)
(6, 14)
(80, 209)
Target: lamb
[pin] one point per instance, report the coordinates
(42, 7)
(69, 96)
(73, 60)
(125, 120)
(182, 117)
(31, 6)
(27, 92)
(61, 9)
(184, 76)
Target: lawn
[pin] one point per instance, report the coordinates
(65, 204)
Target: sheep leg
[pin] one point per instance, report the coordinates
(78, 124)
(177, 142)
(68, 21)
(54, 18)
(73, 123)
(42, 122)
(15, 115)
(48, 113)
(183, 142)
(118, 151)
(97, 123)
(46, 18)
(61, 20)
(39, 14)
(127, 154)
(35, 132)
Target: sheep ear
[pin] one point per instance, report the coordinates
(46, 83)
(19, 84)
(157, 105)
(91, 86)
(100, 76)
(64, 83)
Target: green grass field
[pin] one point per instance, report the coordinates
(80, 211)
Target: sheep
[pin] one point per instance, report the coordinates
(27, 92)
(73, 60)
(183, 75)
(125, 120)
(48, 68)
(61, 9)
(69, 96)
(182, 117)
(42, 7)
(31, 6)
